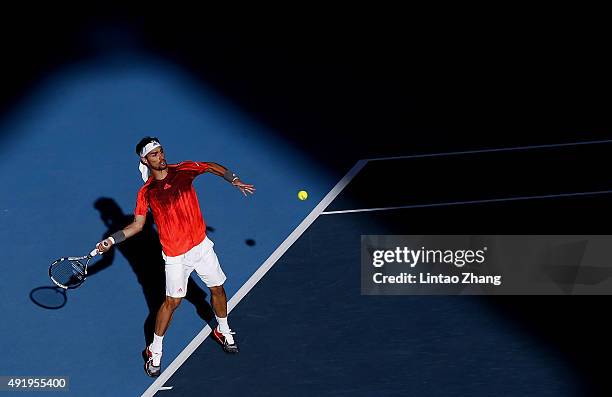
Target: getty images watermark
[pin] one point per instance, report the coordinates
(412, 258)
(486, 264)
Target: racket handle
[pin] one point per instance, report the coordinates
(96, 252)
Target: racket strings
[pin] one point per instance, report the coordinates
(68, 272)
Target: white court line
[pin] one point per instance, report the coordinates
(495, 200)
(314, 214)
(254, 279)
(493, 150)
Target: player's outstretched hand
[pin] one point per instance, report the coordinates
(244, 187)
(104, 245)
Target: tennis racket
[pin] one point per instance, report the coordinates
(70, 272)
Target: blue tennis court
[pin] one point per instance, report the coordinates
(74, 174)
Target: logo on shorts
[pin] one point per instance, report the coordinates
(180, 290)
(167, 186)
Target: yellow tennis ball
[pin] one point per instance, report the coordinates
(302, 195)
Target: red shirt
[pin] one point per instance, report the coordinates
(175, 207)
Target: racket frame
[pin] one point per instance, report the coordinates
(72, 259)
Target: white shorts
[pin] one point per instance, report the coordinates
(202, 259)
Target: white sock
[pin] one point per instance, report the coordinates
(225, 329)
(223, 325)
(156, 346)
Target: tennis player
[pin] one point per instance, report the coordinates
(168, 191)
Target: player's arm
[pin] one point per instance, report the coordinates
(216, 169)
(120, 236)
(200, 167)
(229, 176)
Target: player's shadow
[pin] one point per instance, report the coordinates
(144, 254)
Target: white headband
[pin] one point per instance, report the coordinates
(144, 170)
(148, 147)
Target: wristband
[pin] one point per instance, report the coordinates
(230, 176)
(118, 237)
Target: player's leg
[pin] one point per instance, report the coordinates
(154, 351)
(218, 301)
(222, 333)
(209, 270)
(164, 315)
(177, 275)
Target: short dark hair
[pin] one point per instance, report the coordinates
(144, 142)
